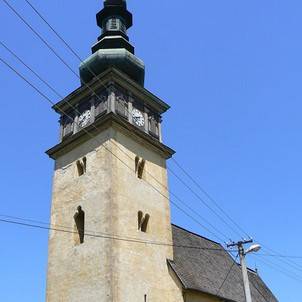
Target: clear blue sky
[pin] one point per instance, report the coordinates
(231, 71)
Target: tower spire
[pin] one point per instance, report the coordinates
(113, 48)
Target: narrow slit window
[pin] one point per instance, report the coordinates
(139, 219)
(143, 221)
(79, 219)
(81, 166)
(139, 167)
(136, 163)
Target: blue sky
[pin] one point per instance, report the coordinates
(231, 71)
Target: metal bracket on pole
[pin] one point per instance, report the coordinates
(246, 284)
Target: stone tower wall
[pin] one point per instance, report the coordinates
(110, 194)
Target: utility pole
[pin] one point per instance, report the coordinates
(242, 254)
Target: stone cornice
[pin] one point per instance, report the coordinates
(111, 75)
(109, 120)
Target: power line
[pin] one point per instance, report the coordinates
(53, 30)
(210, 197)
(183, 170)
(106, 236)
(280, 256)
(175, 174)
(56, 226)
(91, 71)
(281, 270)
(258, 290)
(119, 238)
(203, 201)
(44, 41)
(288, 262)
(92, 136)
(29, 68)
(39, 36)
(28, 82)
(52, 49)
(227, 275)
(70, 68)
(102, 233)
(64, 62)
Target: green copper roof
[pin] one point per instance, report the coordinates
(119, 58)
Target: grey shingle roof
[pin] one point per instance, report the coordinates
(204, 270)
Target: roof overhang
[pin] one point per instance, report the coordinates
(111, 76)
(188, 289)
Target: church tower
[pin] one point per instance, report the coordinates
(110, 198)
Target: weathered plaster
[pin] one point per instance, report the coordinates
(111, 196)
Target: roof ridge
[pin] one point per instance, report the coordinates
(198, 235)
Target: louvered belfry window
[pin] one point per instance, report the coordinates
(115, 24)
(68, 124)
(121, 106)
(101, 105)
(153, 125)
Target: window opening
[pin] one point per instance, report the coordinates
(139, 167)
(101, 105)
(81, 166)
(122, 106)
(143, 221)
(153, 126)
(67, 125)
(79, 218)
(113, 24)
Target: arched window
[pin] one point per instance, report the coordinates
(143, 221)
(79, 219)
